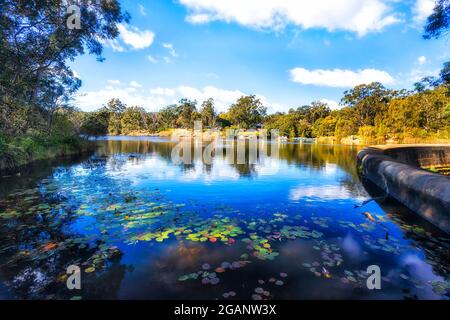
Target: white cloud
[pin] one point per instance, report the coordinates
(333, 105)
(323, 193)
(152, 59)
(114, 82)
(359, 16)
(417, 74)
(199, 18)
(162, 91)
(76, 74)
(142, 10)
(135, 38)
(114, 44)
(421, 60)
(135, 84)
(169, 47)
(422, 9)
(213, 75)
(130, 38)
(222, 98)
(93, 100)
(340, 78)
(157, 98)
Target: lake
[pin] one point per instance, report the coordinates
(298, 224)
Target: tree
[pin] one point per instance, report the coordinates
(223, 120)
(346, 123)
(133, 119)
(286, 124)
(153, 121)
(55, 94)
(247, 112)
(438, 22)
(115, 108)
(312, 113)
(36, 44)
(445, 74)
(208, 113)
(324, 127)
(367, 101)
(318, 111)
(188, 113)
(167, 117)
(95, 123)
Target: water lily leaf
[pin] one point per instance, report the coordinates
(259, 290)
(183, 278)
(89, 270)
(49, 246)
(206, 266)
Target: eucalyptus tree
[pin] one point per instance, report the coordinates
(115, 109)
(37, 42)
(367, 101)
(188, 113)
(438, 23)
(247, 112)
(208, 113)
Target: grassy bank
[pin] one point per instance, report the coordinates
(17, 152)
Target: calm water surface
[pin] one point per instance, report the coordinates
(297, 226)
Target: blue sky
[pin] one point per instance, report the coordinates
(288, 53)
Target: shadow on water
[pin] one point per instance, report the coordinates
(140, 226)
(434, 242)
(29, 174)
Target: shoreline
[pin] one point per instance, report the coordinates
(348, 141)
(16, 159)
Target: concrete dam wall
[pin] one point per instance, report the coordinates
(398, 170)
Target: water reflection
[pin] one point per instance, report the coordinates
(434, 243)
(139, 226)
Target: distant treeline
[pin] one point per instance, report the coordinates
(372, 112)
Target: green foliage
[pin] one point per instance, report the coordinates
(22, 150)
(208, 113)
(133, 119)
(36, 82)
(95, 123)
(367, 101)
(3, 144)
(223, 120)
(298, 122)
(287, 125)
(168, 116)
(368, 133)
(187, 113)
(247, 112)
(115, 109)
(439, 21)
(324, 127)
